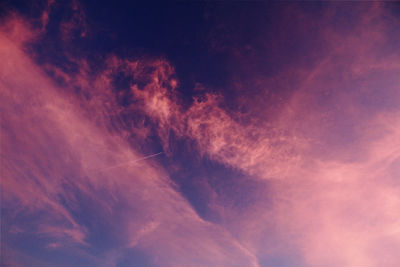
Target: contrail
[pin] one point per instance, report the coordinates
(128, 162)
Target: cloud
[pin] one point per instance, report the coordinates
(328, 154)
(335, 199)
(50, 190)
(324, 160)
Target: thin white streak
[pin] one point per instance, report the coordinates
(128, 162)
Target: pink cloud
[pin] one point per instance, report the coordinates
(55, 154)
(336, 203)
(327, 159)
(333, 191)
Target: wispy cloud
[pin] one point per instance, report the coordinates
(80, 176)
(51, 151)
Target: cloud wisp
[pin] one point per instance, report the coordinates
(83, 174)
(51, 191)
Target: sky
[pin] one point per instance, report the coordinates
(248, 134)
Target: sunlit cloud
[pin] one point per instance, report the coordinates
(92, 157)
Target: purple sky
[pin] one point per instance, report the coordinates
(200, 134)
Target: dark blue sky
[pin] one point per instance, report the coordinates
(199, 133)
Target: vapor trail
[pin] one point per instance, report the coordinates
(128, 162)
